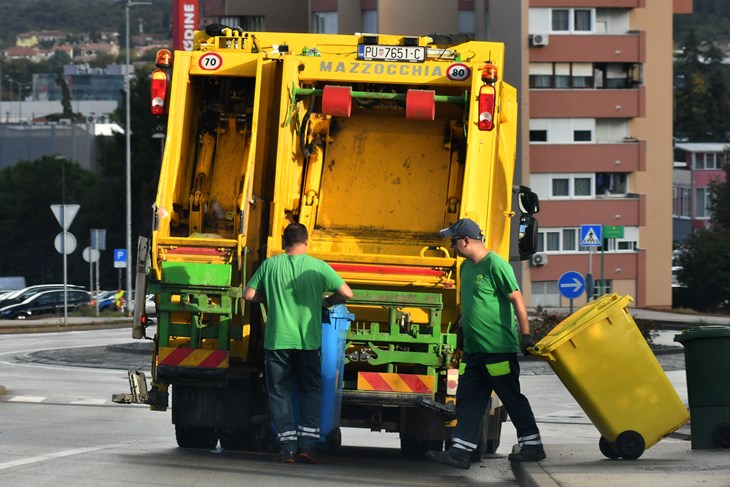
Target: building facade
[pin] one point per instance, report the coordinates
(595, 84)
(696, 166)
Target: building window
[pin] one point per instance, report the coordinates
(583, 20)
(582, 186)
(567, 20)
(611, 184)
(561, 187)
(253, 23)
(324, 23)
(567, 240)
(561, 75)
(685, 203)
(560, 20)
(707, 160)
(601, 287)
(545, 294)
(466, 22)
(538, 135)
(701, 209)
(582, 136)
(571, 186)
(570, 239)
(370, 21)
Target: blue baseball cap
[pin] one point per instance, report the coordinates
(466, 227)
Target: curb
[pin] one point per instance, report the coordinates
(531, 474)
(58, 327)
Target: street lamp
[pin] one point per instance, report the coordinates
(128, 176)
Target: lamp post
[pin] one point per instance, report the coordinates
(128, 176)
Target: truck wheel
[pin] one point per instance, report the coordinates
(196, 437)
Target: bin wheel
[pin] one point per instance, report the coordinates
(607, 448)
(630, 445)
(721, 435)
(334, 440)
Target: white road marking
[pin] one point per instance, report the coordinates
(90, 402)
(26, 399)
(51, 456)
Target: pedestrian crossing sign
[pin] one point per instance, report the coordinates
(590, 235)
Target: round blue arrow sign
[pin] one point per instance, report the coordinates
(571, 284)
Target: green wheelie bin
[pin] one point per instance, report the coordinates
(707, 365)
(605, 363)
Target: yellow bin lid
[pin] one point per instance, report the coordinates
(589, 314)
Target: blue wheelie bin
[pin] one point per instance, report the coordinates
(335, 323)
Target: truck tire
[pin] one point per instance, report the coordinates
(196, 437)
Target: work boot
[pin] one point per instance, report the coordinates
(308, 456)
(528, 453)
(450, 458)
(287, 453)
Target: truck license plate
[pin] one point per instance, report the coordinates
(412, 54)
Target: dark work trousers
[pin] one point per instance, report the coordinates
(472, 397)
(294, 377)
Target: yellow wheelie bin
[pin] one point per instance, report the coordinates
(604, 361)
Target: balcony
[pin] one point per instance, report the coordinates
(628, 211)
(626, 156)
(592, 3)
(608, 103)
(591, 48)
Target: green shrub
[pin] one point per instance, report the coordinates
(544, 321)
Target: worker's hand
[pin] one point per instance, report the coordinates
(527, 343)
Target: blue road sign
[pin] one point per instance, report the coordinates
(590, 235)
(571, 284)
(120, 258)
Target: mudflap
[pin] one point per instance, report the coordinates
(139, 394)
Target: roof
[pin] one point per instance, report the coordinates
(703, 146)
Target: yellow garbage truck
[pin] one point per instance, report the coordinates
(375, 143)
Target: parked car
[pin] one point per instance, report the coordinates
(46, 302)
(150, 307)
(21, 295)
(106, 300)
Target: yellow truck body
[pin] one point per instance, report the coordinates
(375, 143)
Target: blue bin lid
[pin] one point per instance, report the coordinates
(704, 331)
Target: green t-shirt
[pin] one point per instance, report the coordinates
(293, 285)
(487, 318)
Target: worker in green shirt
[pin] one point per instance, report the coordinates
(292, 285)
(490, 299)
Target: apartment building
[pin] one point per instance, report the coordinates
(595, 84)
(696, 167)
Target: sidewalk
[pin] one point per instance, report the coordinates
(571, 440)
(669, 462)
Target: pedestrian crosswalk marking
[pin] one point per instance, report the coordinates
(26, 399)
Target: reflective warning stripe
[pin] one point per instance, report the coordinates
(193, 357)
(377, 381)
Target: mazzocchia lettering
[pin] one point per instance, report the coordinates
(402, 69)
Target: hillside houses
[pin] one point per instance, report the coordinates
(38, 46)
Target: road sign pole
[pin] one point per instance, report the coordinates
(65, 260)
(571, 306)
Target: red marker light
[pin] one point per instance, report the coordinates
(158, 91)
